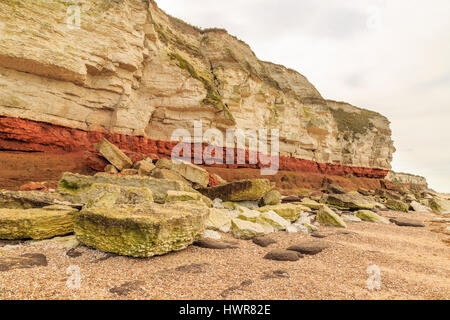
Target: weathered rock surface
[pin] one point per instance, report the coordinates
(218, 219)
(28, 199)
(112, 196)
(243, 190)
(75, 186)
(188, 171)
(272, 197)
(147, 74)
(418, 207)
(173, 196)
(141, 231)
(35, 223)
(24, 261)
(328, 217)
(274, 220)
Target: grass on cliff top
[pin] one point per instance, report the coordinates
(213, 97)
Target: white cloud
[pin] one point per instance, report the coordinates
(388, 56)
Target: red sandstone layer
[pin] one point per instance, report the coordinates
(26, 135)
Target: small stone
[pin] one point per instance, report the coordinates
(211, 234)
(351, 218)
(274, 220)
(216, 244)
(309, 247)
(129, 172)
(264, 241)
(144, 167)
(246, 230)
(407, 222)
(272, 197)
(283, 255)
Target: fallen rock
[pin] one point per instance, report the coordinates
(129, 172)
(141, 231)
(288, 211)
(290, 199)
(33, 186)
(111, 169)
(350, 201)
(397, 205)
(263, 241)
(245, 190)
(75, 186)
(187, 170)
(371, 216)
(23, 261)
(113, 154)
(440, 205)
(144, 167)
(328, 217)
(334, 189)
(272, 197)
(173, 196)
(211, 234)
(407, 222)
(418, 207)
(351, 218)
(248, 214)
(218, 179)
(35, 223)
(27, 199)
(246, 230)
(167, 174)
(309, 247)
(283, 255)
(311, 204)
(273, 219)
(216, 244)
(111, 196)
(219, 220)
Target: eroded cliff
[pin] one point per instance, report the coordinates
(133, 73)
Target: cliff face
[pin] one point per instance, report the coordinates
(135, 73)
(407, 179)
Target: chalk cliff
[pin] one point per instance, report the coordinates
(134, 74)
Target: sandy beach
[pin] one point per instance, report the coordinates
(414, 263)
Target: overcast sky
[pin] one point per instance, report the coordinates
(390, 56)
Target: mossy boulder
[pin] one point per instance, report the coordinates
(35, 224)
(141, 231)
(288, 211)
(110, 196)
(75, 186)
(328, 217)
(272, 197)
(245, 190)
(350, 201)
(370, 216)
(397, 205)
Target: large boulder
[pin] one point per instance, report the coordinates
(113, 154)
(440, 205)
(350, 201)
(35, 223)
(397, 205)
(111, 196)
(328, 217)
(141, 231)
(246, 229)
(28, 199)
(187, 170)
(371, 216)
(245, 190)
(288, 211)
(75, 186)
(167, 174)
